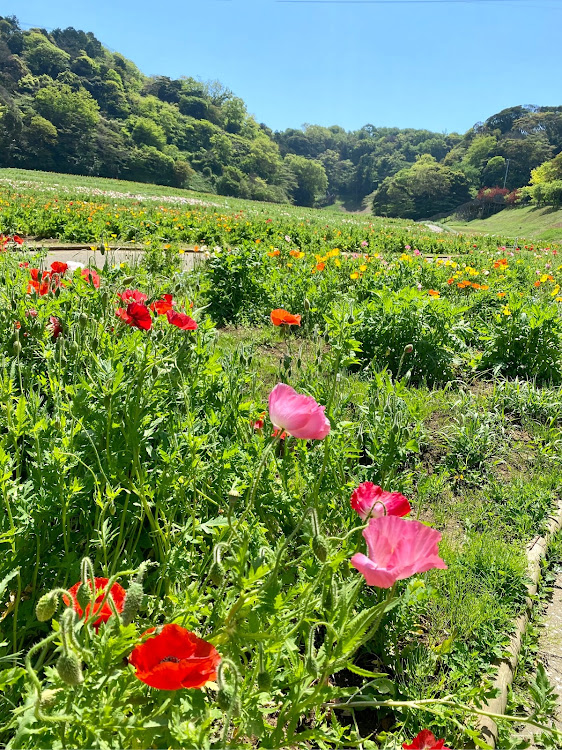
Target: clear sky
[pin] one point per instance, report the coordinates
(436, 65)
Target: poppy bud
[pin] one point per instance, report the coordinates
(320, 548)
(306, 305)
(408, 349)
(133, 601)
(127, 280)
(233, 495)
(70, 668)
(217, 573)
(49, 697)
(46, 606)
(17, 348)
(226, 698)
(83, 596)
(155, 372)
(82, 319)
(264, 681)
(312, 666)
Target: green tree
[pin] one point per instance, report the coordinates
(310, 178)
(422, 190)
(67, 109)
(146, 132)
(548, 171)
(42, 56)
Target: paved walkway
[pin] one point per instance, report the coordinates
(112, 257)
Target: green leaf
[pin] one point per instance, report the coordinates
(10, 676)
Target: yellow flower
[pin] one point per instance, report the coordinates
(354, 275)
(362, 269)
(506, 310)
(555, 290)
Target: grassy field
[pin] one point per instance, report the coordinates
(538, 224)
(142, 445)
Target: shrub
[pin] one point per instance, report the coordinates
(524, 341)
(393, 320)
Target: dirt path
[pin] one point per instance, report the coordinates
(550, 653)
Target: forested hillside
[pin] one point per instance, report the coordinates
(68, 104)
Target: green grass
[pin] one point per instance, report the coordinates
(544, 224)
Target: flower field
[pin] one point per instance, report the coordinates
(278, 501)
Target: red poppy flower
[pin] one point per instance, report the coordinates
(181, 320)
(54, 327)
(39, 287)
(174, 659)
(132, 295)
(281, 317)
(17, 240)
(25, 264)
(425, 741)
(35, 274)
(59, 267)
(161, 306)
(91, 276)
(117, 593)
(136, 315)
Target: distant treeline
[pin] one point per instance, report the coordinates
(68, 104)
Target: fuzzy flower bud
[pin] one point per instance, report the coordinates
(320, 548)
(46, 606)
(132, 603)
(264, 681)
(70, 668)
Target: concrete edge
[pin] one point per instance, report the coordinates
(536, 551)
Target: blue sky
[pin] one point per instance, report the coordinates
(436, 65)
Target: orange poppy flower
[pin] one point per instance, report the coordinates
(273, 253)
(433, 293)
(500, 263)
(281, 317)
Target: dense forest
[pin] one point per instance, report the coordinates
(68, 104)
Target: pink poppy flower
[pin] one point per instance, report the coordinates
(298, 415)
(397, 549)
(132, 295)
(181, 320)
(371, 501)
(91, 276)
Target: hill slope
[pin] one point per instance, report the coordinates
(544, 224)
